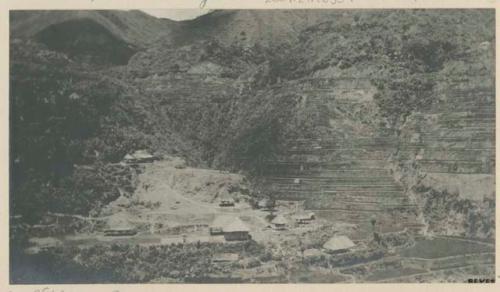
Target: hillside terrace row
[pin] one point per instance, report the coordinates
(323, 171)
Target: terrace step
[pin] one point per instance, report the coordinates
(349, 175)
(335, 180)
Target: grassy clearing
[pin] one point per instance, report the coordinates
(444, 247)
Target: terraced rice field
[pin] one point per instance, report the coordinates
(344, 177)
(457, 136)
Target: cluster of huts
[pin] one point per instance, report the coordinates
(281, 223)
(231, 227)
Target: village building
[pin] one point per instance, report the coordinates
(217, 226)
(305, 218)
(119, 225)
(266, 204)
(279, 223)
(226, 201)
(139, 156)
(236, 231)
(338, 244)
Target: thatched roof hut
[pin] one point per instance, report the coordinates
(236, 226)
(339, 243)
(236, 230)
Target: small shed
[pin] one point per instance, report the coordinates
(266, 204)
(305, 218)
(226, 201)
(139, 156)
(237, 230)
(279, 222)
(338, 244)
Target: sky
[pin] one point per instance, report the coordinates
(176, 14)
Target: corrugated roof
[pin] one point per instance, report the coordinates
(236, 226)
(338, 243)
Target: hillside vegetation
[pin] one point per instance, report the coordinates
(225, 91)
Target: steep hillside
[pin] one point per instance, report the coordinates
(133, 27)
(326, 97)
(99, 36)
(75, 114)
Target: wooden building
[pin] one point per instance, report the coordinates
(236, 231)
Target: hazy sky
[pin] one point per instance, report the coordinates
(176, 14)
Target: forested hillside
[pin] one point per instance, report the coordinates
(232, 89)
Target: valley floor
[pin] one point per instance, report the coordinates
(176, 205)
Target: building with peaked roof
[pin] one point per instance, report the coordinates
(236, 230)
(305, 218)
(338, 244)
(118, 224)
(226, 201)
(279, 222)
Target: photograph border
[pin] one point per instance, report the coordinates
(6, 6)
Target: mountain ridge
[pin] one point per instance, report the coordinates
(217, 97)
(134, 27)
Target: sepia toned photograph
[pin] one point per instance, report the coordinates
(252, 146)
